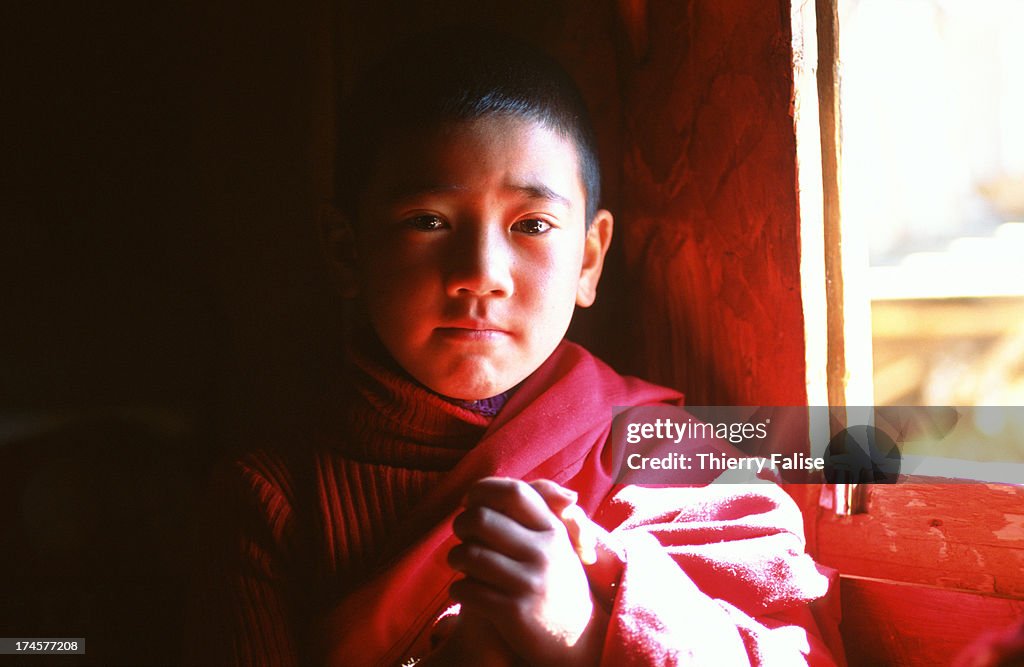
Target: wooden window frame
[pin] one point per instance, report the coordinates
(925, 567)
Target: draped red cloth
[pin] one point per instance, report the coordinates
(347, 564)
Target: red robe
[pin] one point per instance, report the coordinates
(334, 550)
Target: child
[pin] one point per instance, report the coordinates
(440, 515)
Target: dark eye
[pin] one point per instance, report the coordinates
(426, 223)
(531, 226)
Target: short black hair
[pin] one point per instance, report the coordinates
(459, 74)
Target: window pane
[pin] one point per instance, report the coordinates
(933, 177)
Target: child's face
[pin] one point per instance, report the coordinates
(471, 252)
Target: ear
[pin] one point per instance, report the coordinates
(337, 238)
(595, 247)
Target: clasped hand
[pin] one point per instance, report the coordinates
(522, 551)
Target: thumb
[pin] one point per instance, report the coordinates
(562, 503)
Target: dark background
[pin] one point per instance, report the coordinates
(158, 215)
(162, 298)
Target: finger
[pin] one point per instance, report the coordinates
(556, 496)
(478, 598)
(490, 567)
(582, 533)
(581, 529)
(494, 530)
(515, 499)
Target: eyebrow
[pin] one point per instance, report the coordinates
(530, 190)
(407, 191)
(540, 191)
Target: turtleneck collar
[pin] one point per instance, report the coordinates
(390, 418)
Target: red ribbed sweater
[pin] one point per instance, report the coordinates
(288, 529)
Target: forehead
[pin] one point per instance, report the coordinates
(507, 154)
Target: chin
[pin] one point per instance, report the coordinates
(475, 391)
(474, 385)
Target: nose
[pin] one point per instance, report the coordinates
(480, 264)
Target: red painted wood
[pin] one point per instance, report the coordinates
(966, 536)
(889, 623)
(709, 209)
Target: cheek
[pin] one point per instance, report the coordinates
(396, 276)
(564, 265)
(553, 278)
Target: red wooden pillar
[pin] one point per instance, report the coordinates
(709, 208)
